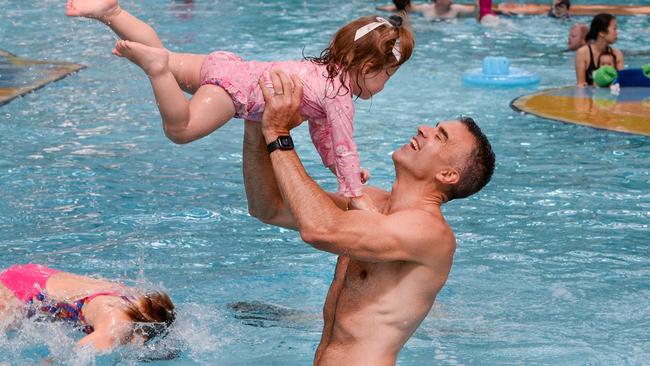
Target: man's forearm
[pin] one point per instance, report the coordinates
(264, 199)
(311, 207)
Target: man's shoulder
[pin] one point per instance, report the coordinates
(377, 194)
(425, 230)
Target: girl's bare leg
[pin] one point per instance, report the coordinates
(109, 12)
(185, 67)
(183, 120)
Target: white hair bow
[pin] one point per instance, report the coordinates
(372, 26)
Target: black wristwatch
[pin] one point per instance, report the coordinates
(281, 143)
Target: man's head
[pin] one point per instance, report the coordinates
(560, 8)
(456, 155)
(446, 4)
(402, 5)
(577, 36)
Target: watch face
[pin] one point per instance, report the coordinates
(285, 142)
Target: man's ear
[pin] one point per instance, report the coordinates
(448, 176)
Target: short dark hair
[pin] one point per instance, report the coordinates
(402, 5)
(478, 167)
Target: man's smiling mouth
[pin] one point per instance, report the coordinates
(415, 144)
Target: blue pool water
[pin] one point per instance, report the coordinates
(553, 260)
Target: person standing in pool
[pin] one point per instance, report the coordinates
(437, 9)
(602, 34)
(109, 313)
(359, 61)
(391, 263)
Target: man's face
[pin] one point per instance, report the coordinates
(576, 38)
(435, 149)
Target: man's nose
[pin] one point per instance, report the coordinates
(424, 130)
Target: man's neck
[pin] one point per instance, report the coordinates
(414, 195)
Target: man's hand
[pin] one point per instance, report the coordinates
(282, 111)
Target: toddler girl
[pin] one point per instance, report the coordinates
(358, 62)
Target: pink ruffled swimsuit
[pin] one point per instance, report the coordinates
(330, 113)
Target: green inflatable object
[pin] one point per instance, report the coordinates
(646, 70)
(605, 75)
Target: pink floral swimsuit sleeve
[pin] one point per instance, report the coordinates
(333, 137)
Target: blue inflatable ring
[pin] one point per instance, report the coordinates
(516, 77)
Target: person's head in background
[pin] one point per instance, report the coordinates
(607, 58)
(445, 4)
(402, 5)
(560, 9)
(603, 29)
(577, 36)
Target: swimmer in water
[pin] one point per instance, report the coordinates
(108, 312)
(437, 9)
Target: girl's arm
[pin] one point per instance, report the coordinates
(340, 114)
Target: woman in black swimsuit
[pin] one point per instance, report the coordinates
(602, 34)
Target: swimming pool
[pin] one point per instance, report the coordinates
(552, 263)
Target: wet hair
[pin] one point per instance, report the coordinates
(565, 3)
(608, 52)
(152, 315)
(477, 169)
(402, 5)
(375, 49)
(600, 23)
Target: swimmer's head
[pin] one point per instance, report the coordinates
(151, 313)
(560, 8)
(604, 27)
(443, 3)
(577, 36)
(402, 5)
(367, 49)
(455, 155)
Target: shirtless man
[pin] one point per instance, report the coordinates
(391, 264)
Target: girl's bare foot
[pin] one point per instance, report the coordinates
(154, 61)
(97, 9)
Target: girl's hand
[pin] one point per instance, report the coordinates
(365, 175)
(363, 203)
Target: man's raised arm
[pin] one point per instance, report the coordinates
(264, 199)
(363, 235)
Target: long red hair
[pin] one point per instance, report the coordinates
(374, 50)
